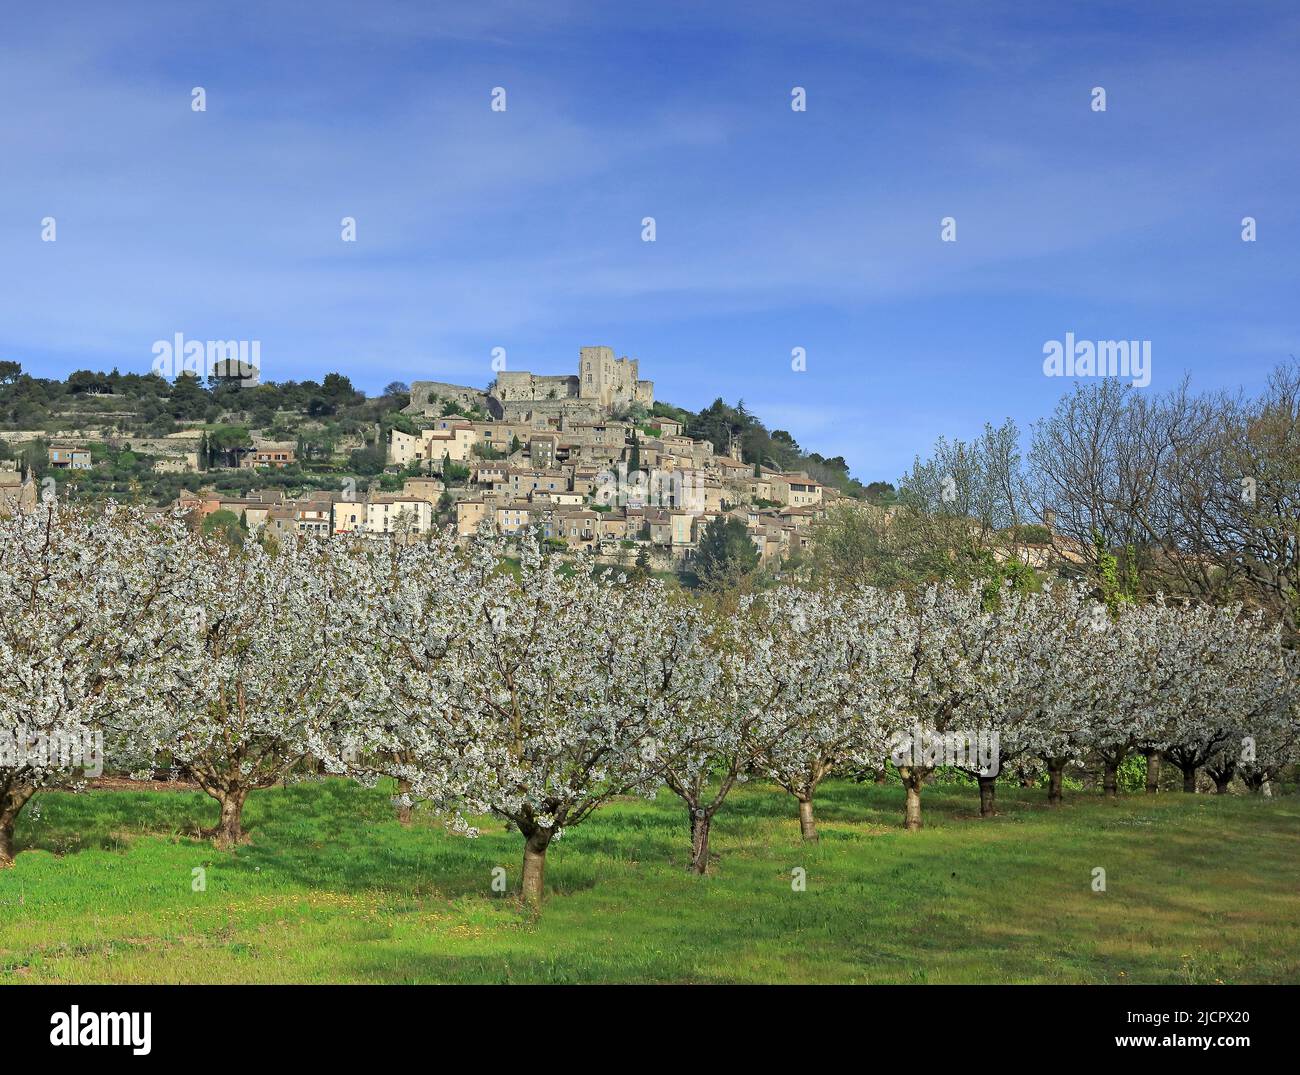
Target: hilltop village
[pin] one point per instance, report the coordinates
(586, 458)
(578, 456)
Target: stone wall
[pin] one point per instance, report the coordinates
(511, 386)
(462, 395)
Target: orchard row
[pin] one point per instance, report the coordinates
(538, 690)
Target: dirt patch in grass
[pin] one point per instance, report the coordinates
(125, 783)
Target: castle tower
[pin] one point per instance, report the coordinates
(611, 382)
(596, 374)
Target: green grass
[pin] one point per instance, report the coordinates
(1199, 890)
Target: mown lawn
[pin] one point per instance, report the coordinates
(1199, 889)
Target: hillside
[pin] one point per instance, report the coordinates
(147, 437)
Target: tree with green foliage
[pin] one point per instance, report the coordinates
(454, 473)
(1116, 587)
(634, 455)
(226, 525)
(188, 397)
(727, 555)
(370, 460)
(226, 442)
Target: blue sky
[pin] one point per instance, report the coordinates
(775, 229)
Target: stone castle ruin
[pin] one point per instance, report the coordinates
(603, 386)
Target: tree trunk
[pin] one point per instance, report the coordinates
(988, 796)
(535, 845)
(807, 827)
(1221, 783)
(1055, 775)
(403, 804)
(700, 843)
(230, 828)
(1189, 779)
(1154, 758)
(882, 776)
(12, 800)
(1110, 780)
(913, 781)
